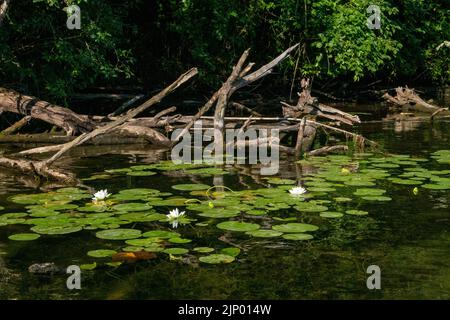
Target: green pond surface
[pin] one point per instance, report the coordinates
(251, 239)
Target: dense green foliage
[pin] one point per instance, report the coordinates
(152, 40)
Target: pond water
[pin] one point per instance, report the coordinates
(250, 240)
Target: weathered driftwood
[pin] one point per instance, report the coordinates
(237, 82)
(16, 126)
(308, 105)
(71, 122)
(42, 168)
(406, 100)
(327, 150)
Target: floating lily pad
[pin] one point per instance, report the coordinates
(357, 212)
(331, 215)
(143, 242)
(217, 259)
(132, 249)
(203, 249)
(179, 240)
(298, 236)
(101, 253)
(343, 199)
(437, 186)
(369, 192)
(295, 227)
(88, 266)
(176, 251)
(55, 230)
(377, 198)
(190, 187)
(310, 207)
(141, 173)
(231, 251)
(264, 233)
(127, 207)
(238, 226)
(161, 234)
(119, 234)
(24, 236)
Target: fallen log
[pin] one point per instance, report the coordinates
(16, 126)
(327, 150)
(71, 122)
(42, 168)
(406, 100)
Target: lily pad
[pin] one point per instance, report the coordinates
(179, 240)
(88, 266)
(24, 236)
(101, 253)
(160, 234)
(203, 249)
(264, 233)
(298, 236)
(238, 226)
(127, 207)
(331, 215)
(217, 259)
(357, 212)
(295, 227)
(118, 234)
(190, 187)
(56, 230)
(231, 251)
(141, 173)
(176, 251)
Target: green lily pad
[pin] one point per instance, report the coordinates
(357, 212)
(203, 249)
(132, 249)
(231, 251)
(56, 230)
(141, 173)
(437, 186)
(297, 236)
(217, 259)
(143, 242)
(295, 227)
(190, 187)
(127, 207)
(264, 233)
(176, 251)
(101, 253)
(343, 199)
(179, 240)
(88, 266)
(369, 192)
(331, 215)
(24, 236)
(238, 226)
(377, 198)
(118, 234)
(161, 234)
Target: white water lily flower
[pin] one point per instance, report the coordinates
(101, 195)
(297, 191)
(174, 214)
(173, 217)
